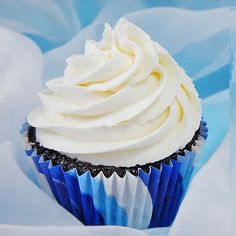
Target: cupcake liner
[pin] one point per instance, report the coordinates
(144, 201)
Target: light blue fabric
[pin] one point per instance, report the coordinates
(52, 23)
(201, 47)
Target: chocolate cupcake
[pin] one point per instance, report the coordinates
(117, 136)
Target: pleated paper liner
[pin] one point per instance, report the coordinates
(144, 201)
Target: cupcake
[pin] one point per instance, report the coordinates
(116, 138)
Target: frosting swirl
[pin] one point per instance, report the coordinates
(124, 102)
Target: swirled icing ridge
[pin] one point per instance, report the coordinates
(125, 101)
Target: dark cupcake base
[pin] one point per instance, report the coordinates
(69, 163)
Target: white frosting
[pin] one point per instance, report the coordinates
(124, 102)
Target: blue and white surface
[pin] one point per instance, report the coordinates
(199, 44)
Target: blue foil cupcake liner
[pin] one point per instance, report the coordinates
(144, 201)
